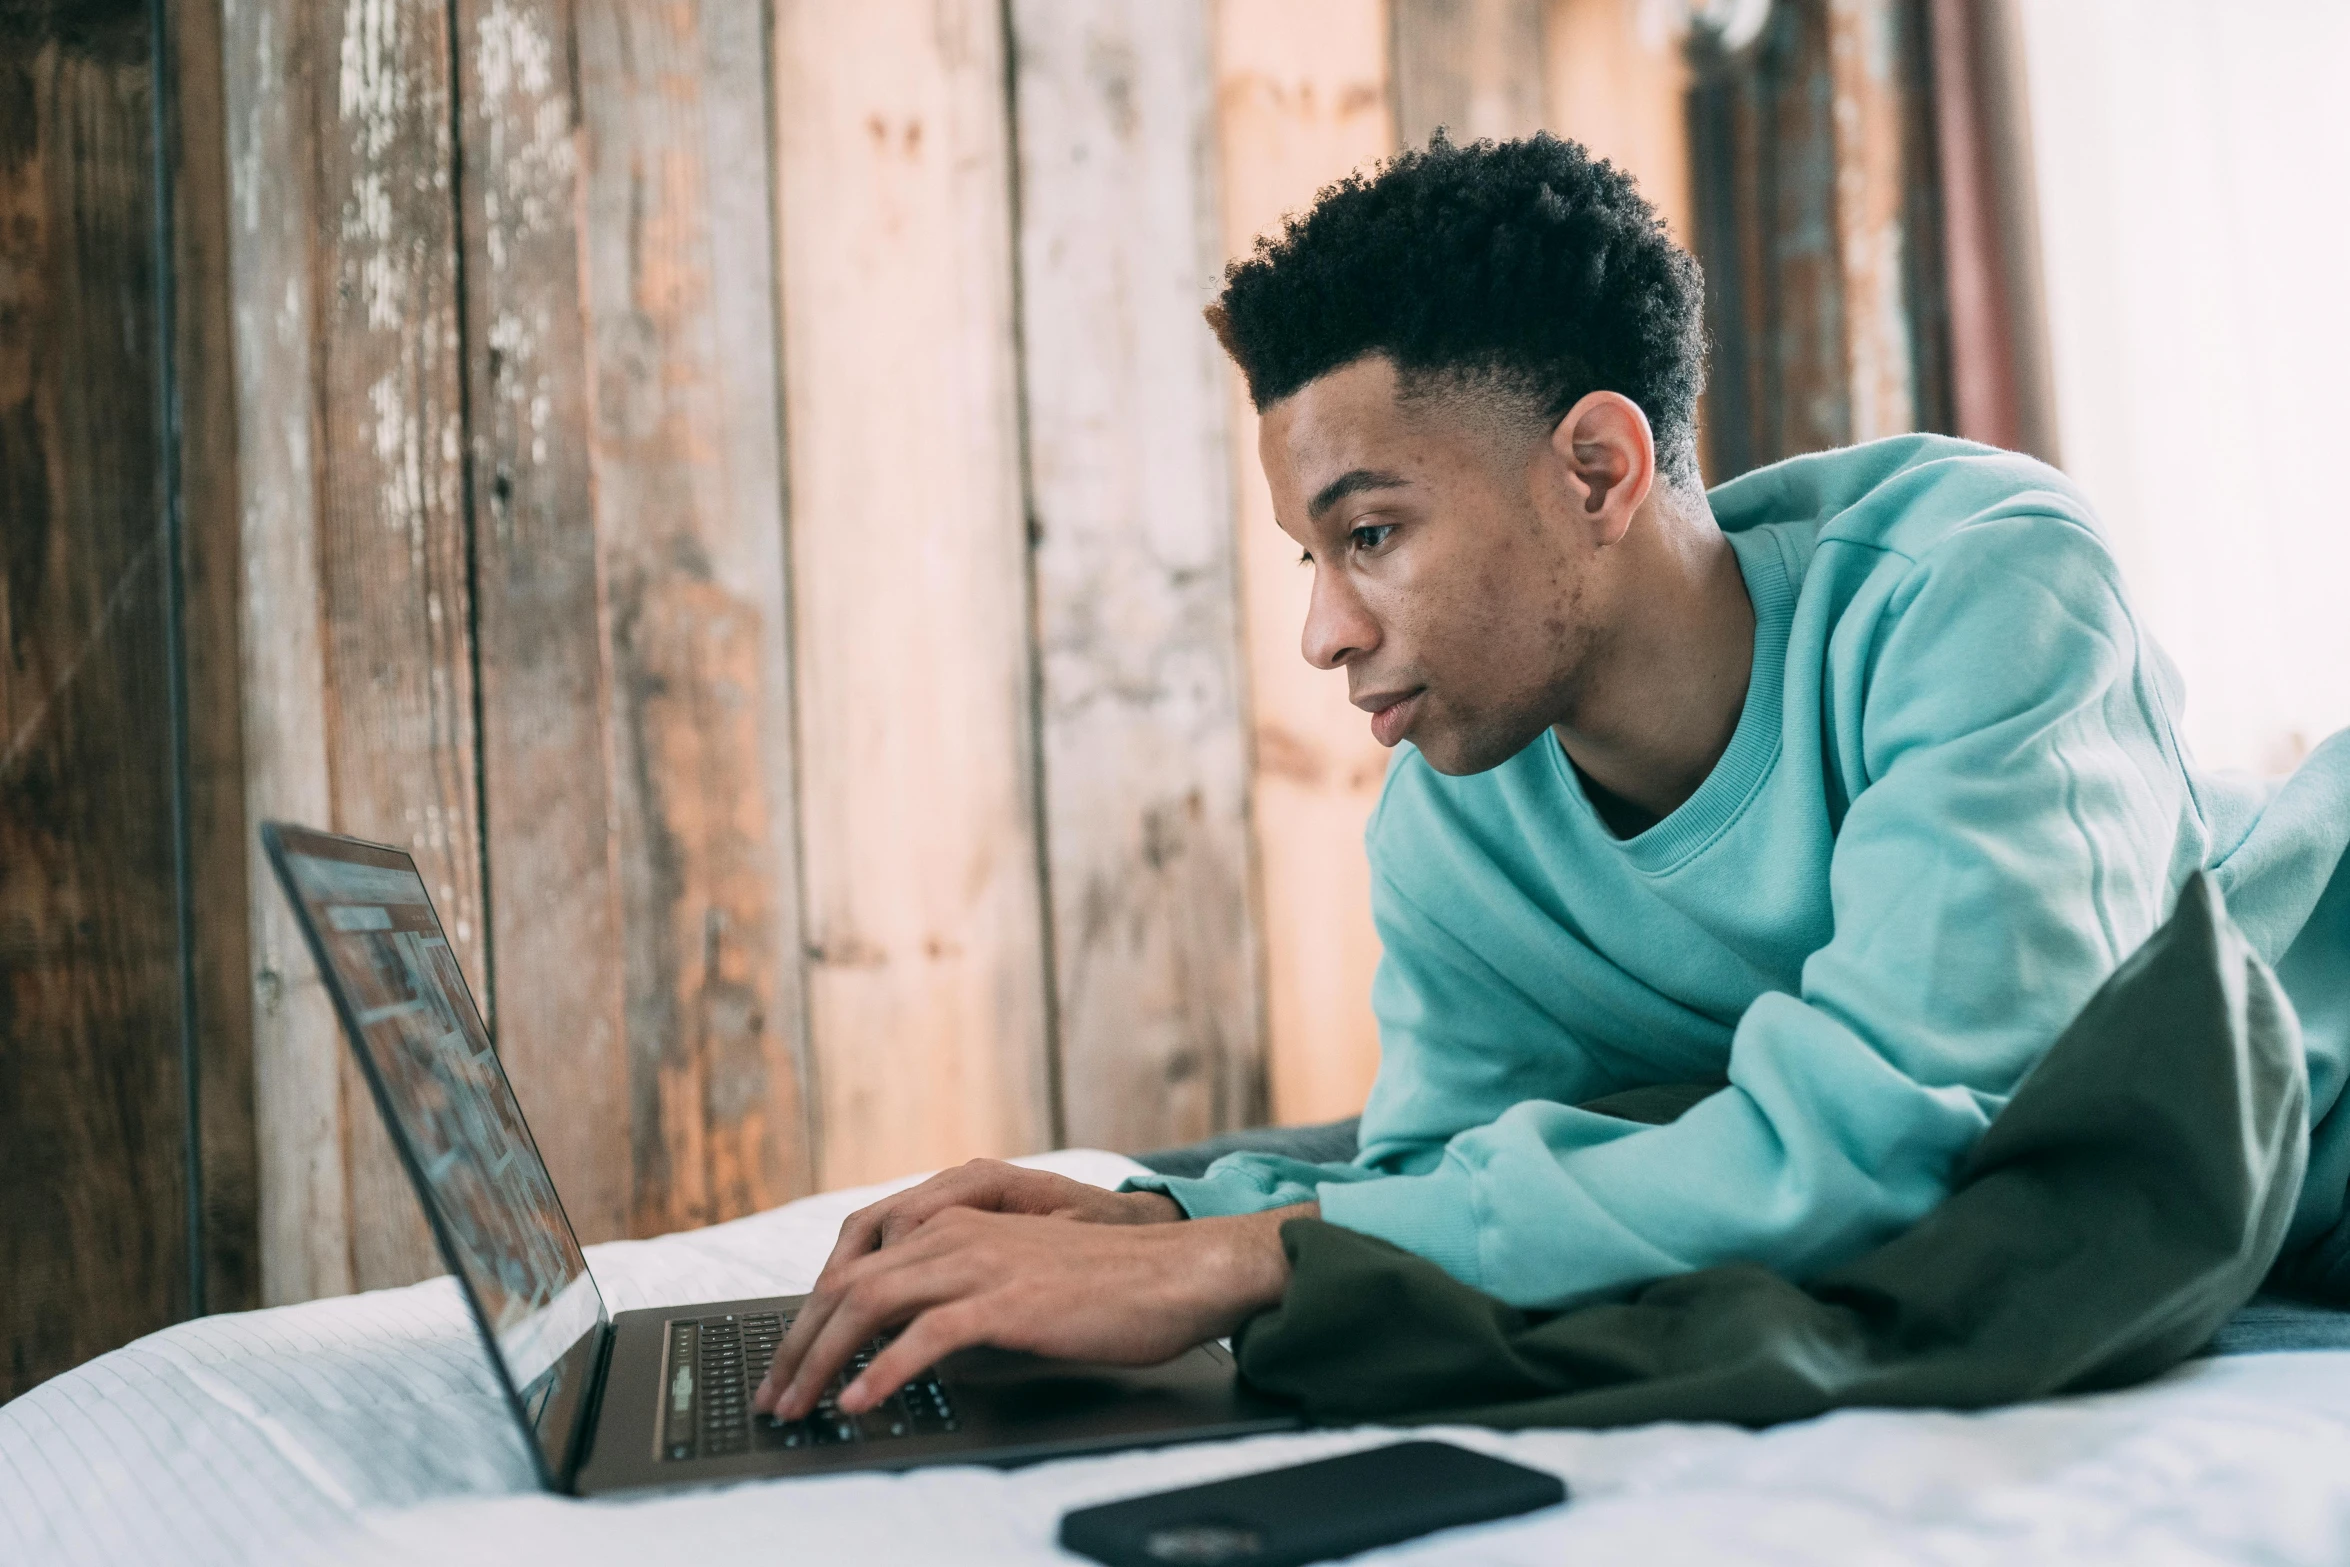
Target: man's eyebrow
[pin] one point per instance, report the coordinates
(1349, 483)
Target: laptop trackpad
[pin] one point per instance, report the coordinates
(1002, 1390)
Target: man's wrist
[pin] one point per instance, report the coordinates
(1152, 1208)
(1254, 1269)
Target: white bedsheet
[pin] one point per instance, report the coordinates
(366, 1430)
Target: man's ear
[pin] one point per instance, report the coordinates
(1608, 456)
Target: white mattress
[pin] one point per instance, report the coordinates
(367, 1430)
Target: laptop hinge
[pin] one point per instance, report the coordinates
(583, 1444)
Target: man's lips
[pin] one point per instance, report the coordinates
(1391, 712)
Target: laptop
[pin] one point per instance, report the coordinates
(659, 1397)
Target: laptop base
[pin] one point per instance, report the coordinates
(1007, 1409)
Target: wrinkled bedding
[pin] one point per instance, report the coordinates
(367, 1429)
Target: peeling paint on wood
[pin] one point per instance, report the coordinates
(271, 114)
(393, 570)
(546, 758)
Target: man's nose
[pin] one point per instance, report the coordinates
(1338, 629)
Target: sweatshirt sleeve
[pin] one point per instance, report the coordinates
(2013, 832)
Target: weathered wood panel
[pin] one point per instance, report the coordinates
(1925, 256)
(1865, 67)
(1820, 224)
(393, 569)
(271, 101)
(927, 987)
(1794, 259)
(1143, 739)
(1765, 164)
(686, 449)
(203, 363)
(358, 611)
(1302, 95)
(93, 1136)
(1616, 78)
(2001, 387)
(1474, 67)
(546, 808)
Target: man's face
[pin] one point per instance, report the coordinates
(1447, 582)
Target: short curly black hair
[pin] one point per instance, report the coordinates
(1528, 266)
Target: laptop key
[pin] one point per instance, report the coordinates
(721, 1359)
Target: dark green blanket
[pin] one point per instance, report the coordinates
(2130, 1196)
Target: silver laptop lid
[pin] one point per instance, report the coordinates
(451, 1113)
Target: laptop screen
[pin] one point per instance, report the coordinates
(449, 1108)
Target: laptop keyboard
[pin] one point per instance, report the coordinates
(715, 1364)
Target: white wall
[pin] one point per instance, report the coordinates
(2193, 163)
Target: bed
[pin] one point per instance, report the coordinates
(366, 1429)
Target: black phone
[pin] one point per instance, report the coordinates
(1311, 1512)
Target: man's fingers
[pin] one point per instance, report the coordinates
(793, 1349)
(881, 1296)
(927, 1340)
(868, 1230)
(817, 1310)
(978, 1184)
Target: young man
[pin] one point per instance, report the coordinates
(1837, 792)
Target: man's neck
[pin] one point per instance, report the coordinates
(1659, 708)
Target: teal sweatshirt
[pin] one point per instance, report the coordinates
(1956, 798)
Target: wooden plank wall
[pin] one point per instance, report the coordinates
(1305, 88)
(360, 613)
(1616, 78)
(679, 267)
(926, 983)
(2001, 382)
(1824, 256)
(582, 513)
(93, 1130)
(1865, 69)
(268, 82)
(1473, 67)
(546, 805)
(745, 495)
(204, 398)
(395, 588)
(1141, 683)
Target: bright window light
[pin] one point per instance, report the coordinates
(2193, 164)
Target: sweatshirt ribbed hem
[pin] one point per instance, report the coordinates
(1432, 1216)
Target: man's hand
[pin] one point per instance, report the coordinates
(991, 1186)
(1133, 1295)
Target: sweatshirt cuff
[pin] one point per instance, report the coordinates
(1432, 1216)
(1206, 1197)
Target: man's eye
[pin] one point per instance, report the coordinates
(1371, 535)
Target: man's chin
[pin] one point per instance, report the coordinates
(1458, 755)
